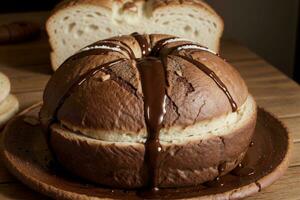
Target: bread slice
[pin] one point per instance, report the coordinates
(4, 87)
(75, 24)
(8, 108)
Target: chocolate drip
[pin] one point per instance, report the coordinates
(222, 167)
(190, 45)
(152, 74)
(160, 45)
(258, 185)
(213, 76)
(125, 46)
(143, 42)
(242, 171)
(217, 183)
(112, 47)
(176, 49)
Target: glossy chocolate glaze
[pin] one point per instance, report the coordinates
(143, 42)
(124, 46)
(190, 45)
(153, 80)
(215, 78)
(110, 45)
(152, 74)
(160, 45)
(154, 87)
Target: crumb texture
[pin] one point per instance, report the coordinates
(75, 25)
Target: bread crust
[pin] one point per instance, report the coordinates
(121, 165)
(184, 107)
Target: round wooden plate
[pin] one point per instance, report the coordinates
(27, 156)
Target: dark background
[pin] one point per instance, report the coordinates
(271, 28)
(26, 5)
(296, 74)
(268, 27)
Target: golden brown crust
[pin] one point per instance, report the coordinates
(121, 164)
(192, 95)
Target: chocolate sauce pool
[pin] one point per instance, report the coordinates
(153, 79)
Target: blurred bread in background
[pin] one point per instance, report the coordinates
(76, 24)
(9, 104)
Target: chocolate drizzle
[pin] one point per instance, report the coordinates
(143, 42)
(154, 88)
(242, 171)
(125, 46)
(160, 45)
(213, 76)
(190, 45)
(153, 84)
(110, 45)
(79, 81)
(83, 78)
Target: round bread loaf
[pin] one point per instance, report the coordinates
(148, 110)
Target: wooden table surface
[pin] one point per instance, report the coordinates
(27, 65)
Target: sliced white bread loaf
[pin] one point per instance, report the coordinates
(77, 23)
(9, 104)
(8, 108)
(4, 87)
